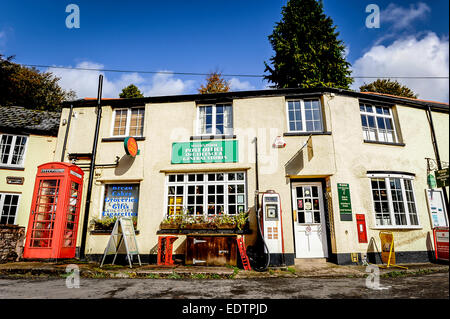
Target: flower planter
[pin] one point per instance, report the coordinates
(198, 226)
(226, 226)
(169, 226)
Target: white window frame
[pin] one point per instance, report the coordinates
(303, 113)
(127, 125)
(375, 115)
(199, 127)
(2, 201)
(205, 184)
(11, 151)
(390, 202)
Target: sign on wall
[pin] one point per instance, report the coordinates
(441, 243)
(345, 205)
(205, 152)
(121, 200)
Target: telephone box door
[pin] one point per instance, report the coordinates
(41, 226)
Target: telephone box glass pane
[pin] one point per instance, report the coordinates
(44, 214)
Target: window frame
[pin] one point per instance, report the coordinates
(214, 119)
(11, 152)
(2, 202)
(393, 225)
(128, 121)
(391, 116)
(303, 114)
(205, 183)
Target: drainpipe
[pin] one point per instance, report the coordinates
(67, 133)
(91, 170)
(436, 152)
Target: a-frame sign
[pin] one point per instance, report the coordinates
(122, 240)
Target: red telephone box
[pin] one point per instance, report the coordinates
(53, 223)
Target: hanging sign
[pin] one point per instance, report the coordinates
(441, 243)
(205, 152)
(131, 146)
(442, 177)
(122, 240)
(345, 205)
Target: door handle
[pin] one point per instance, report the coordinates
(197, 261)
(198, 241)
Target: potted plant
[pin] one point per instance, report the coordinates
(225, 221)
(241, 220)
(197, 222)
(105, 224)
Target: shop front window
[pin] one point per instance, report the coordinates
(206, 194)
(394, 201)
(121, 200)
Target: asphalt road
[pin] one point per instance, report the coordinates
(418, 287)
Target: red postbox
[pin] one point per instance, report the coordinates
(361, 225)
(55, 209)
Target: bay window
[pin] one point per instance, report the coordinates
(394, 201)
(206, 194)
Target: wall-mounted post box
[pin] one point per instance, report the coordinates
(361, 225)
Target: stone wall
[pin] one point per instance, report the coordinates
(11, 242)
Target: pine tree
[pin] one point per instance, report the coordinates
(130, 92)
(307, 51)
(214, 84)
(387, 86)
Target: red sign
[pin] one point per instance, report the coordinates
(441, 242)
(131, 146)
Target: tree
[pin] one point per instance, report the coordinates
(30, 88)
(388, 87)
(130, 92)
(214, 84)
(308, 53)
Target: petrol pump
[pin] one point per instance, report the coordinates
(271, 225)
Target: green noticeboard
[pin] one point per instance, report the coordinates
(205, 152)
(442, 177)
(345, 205)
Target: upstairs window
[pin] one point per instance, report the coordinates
(12, 150)
(377, 123)
(128, 122)
(304, 115)
(215, 119)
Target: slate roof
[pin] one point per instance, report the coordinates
(19, 120)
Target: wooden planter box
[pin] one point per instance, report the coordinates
(226, 226)
(199, 226)
(169, 226)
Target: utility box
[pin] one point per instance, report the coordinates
(211, 250)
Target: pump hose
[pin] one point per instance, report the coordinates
(265, 245)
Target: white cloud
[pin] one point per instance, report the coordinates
(85, 82)
(166, 84)
(401, 18)
(237, 85)
(410, 56)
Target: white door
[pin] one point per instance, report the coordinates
(309, 221)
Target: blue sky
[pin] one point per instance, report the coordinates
(204, 35)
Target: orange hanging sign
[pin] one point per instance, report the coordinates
(131, 146)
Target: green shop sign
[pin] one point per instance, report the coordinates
(205, 152)
(345, 205)
(442, 177)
